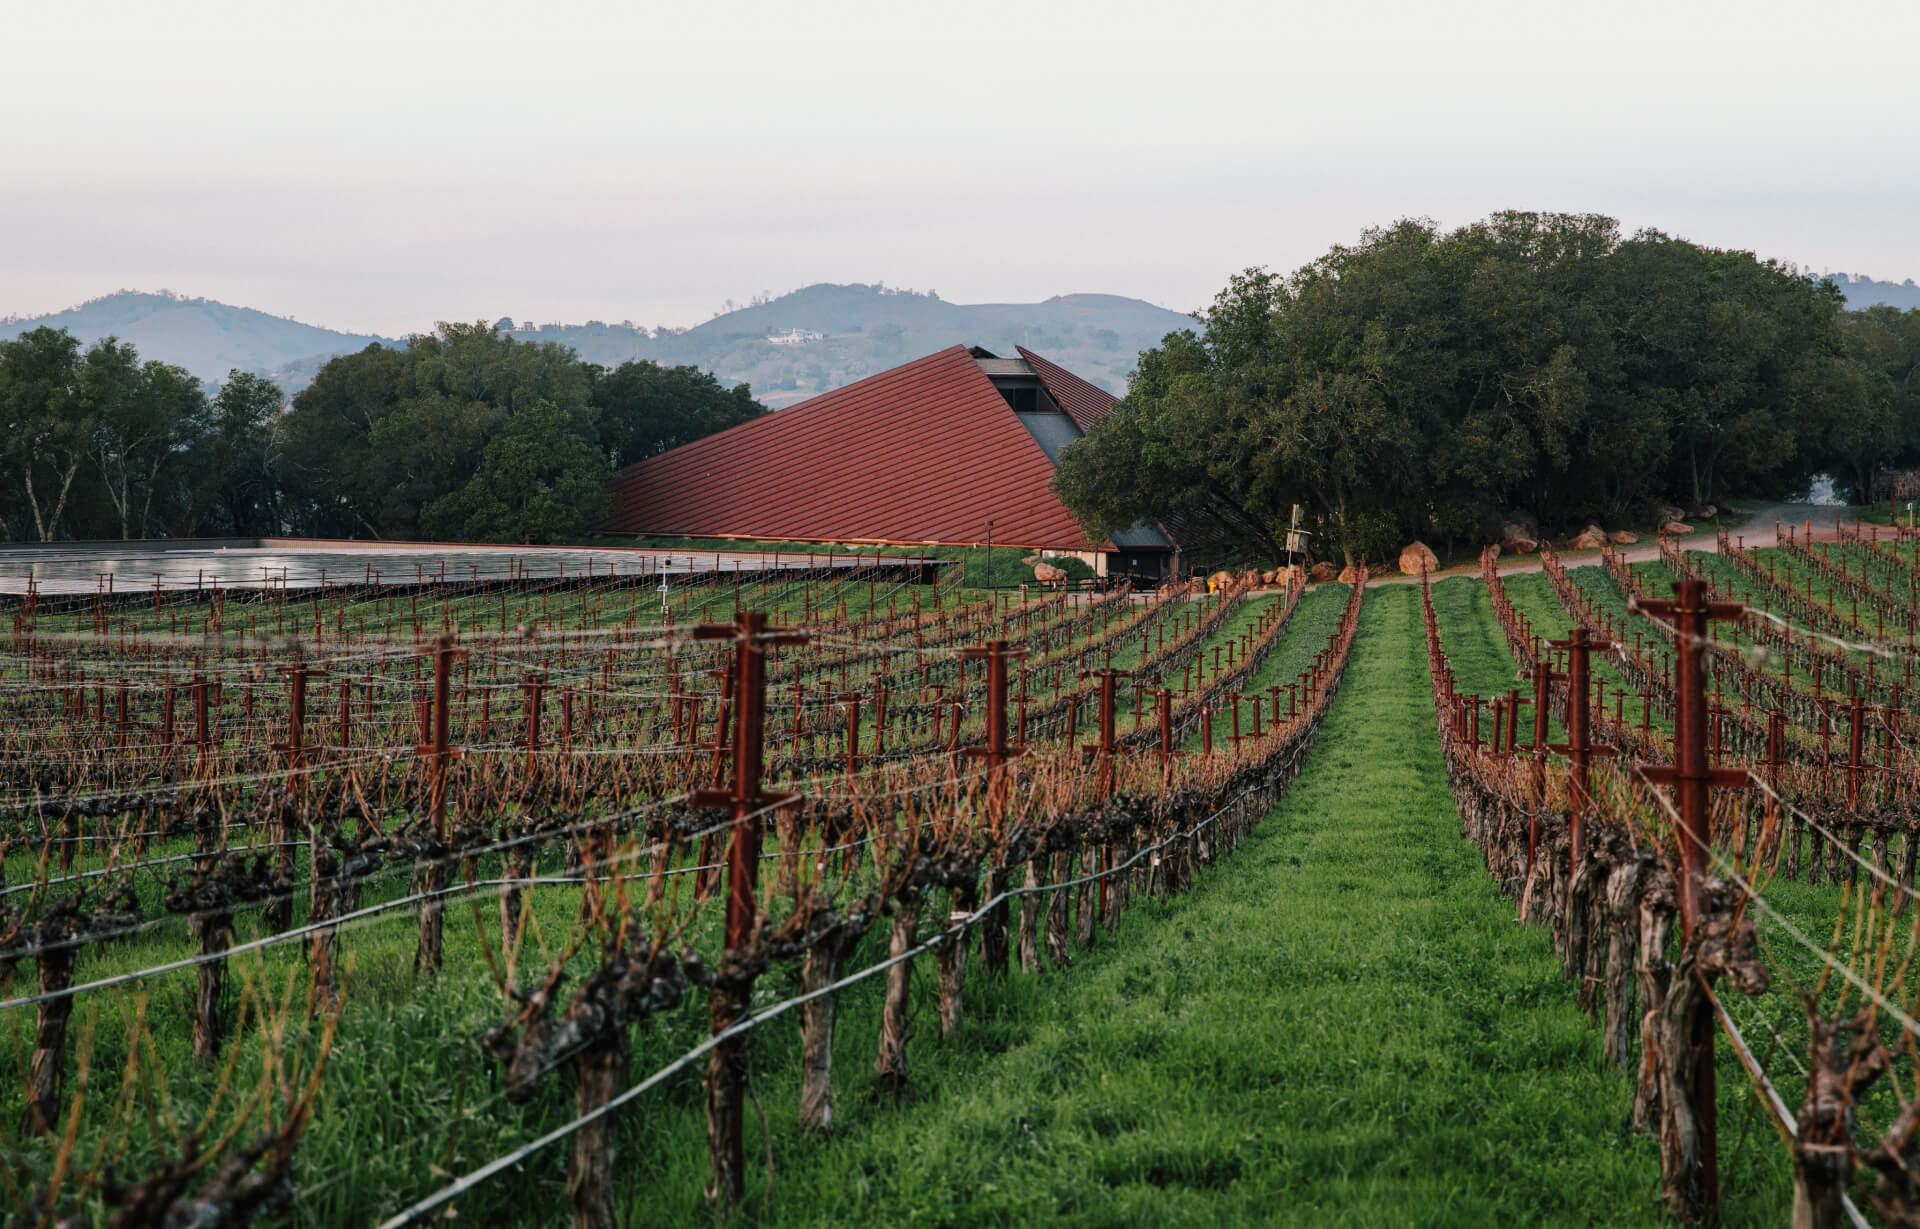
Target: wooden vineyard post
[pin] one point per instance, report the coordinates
(1689, 1145)
(433, 871)
(998, 752)
(733, 990)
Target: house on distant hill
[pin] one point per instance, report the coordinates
(795, 337)
(952, 449)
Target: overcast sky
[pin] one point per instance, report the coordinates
(382, 166)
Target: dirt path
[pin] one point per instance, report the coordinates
(1757, 530)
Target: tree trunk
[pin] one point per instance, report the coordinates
(1589, 996)
(726, 1078)
(1117, 886)
(950, 960)
(1030, 904)
(49, 1041)
(1574, 923)
(278, 911)
(60, 505)
(1906, 868)
(320, 908)
(214, 929)
(1686, 1122)
(590, 1167)
(1057, 912)
(1622, 933)
(1822, 1161)
(890, 1063)
(519, 865)
(993, 927)
(820, 967)
(33, 501)
(1089, 897)
(1653, 974)
(430, 876)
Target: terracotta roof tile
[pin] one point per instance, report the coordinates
(924, 453)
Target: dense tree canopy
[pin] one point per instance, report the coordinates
(99, 444)
(646, 409)
(464, 433)
(1429, 384)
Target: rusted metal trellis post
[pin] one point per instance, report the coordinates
(1579, 747)
(733, 988)
(1691, 778)
(278, 913)
(435, 870)
(444, 656)
(999, 752)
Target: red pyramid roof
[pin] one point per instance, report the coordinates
(1085, 403)
(924, 453)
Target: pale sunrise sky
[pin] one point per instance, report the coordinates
(378, 167)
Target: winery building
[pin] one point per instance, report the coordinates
(954, 449)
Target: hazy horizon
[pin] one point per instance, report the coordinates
(376, 168)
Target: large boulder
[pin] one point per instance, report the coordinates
(1514, 531)
(1676, 529)
(1047, 574)
(1416, 558)
(1323, 572)
(1270, 577)
(1295, 575)
(1029, 560)
(1220, 582)
(1353, 574)
(1591, 538)
(1520, 546)
(1623, 537)
(1706, 513)
(1671, 513)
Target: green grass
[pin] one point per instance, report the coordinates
(693, 598)
(1340, 1025)
(1314, 619)
(1532, 594)
(1482, 663)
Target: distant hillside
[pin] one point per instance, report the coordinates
(862, 330)
(209, 339)
(867, 329)
(1864, 292)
